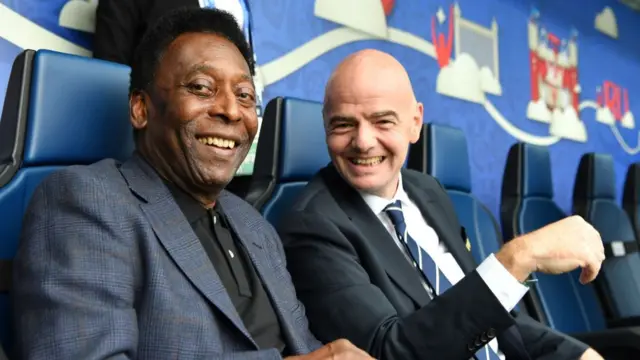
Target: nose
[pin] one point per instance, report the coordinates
(364, 138)
(226, 105)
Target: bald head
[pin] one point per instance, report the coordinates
(371, 116)
(369, 70)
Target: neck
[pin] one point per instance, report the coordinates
(389, 191)
(207, 197)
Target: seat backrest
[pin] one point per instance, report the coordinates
(60, 110)
(631, 197)
(442, 152)
(291, 150)
(594, 198)
(527, 205)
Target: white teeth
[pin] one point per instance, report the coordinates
(218, 142)
(368, 161)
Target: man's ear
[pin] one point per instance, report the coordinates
(416, 123)
(138, 112)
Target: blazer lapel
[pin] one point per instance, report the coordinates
(253, 244)
(390, 256)
(434, 214)
(177, 237)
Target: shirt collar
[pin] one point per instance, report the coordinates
(377, 203)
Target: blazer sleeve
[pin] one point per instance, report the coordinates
(341, 301)
(75, 273)
(544, 343)
(117, 30)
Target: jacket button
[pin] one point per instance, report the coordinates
(491, 333)
(484, 338)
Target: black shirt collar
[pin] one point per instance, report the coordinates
(191, 208)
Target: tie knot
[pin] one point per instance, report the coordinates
(394, 211)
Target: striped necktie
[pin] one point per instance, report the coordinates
(423, 261)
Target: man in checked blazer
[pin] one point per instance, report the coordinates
(407, 288)
(152, 258)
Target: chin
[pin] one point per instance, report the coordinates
(369, 185)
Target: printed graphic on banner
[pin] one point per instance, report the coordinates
(613, 105)
(606, 22)
(475, 69)
(554, 81)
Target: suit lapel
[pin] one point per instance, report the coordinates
(253, 243)
(177, 237)
(390, 256)
(434, 214)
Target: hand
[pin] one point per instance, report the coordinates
(591, 354)
(338, 350)
(555, 249)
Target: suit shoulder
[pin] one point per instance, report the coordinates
(102, 177)
(315, 197)
(102, 171)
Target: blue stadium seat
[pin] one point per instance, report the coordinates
(290, 151)
(631, 197)
(527, 205)
(442, 152)
(60, 110)
(560, 300)
(594, 198)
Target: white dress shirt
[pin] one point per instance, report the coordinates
(502, 284)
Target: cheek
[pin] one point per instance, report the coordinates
(337, 144)
(395, 144)
(251, 123)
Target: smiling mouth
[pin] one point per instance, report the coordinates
(368, 161)
(218, 142)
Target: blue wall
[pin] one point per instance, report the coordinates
(281, 27)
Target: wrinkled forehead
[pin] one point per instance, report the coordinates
(358, 98)
(197, 50)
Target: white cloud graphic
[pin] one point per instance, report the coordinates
(461, 79)
(628, 120)
(605, 116)
(489, 83)
(567, 124)
(364, 15)
(538, 111)
(606, 22)
(79, 15)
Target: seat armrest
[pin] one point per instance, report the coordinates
(620, 343)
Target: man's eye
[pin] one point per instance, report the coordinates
(199, 89)
(246, 95)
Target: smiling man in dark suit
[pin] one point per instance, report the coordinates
(376, 253)
(152, 258)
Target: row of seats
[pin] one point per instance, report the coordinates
(291, 152)
(62, 110)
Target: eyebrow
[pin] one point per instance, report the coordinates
(384, 113)
(341, 118)
(201, 68)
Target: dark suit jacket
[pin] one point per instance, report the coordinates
(356, 283)
(120, 25)
(109, 267)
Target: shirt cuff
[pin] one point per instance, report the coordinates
(502, 284)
